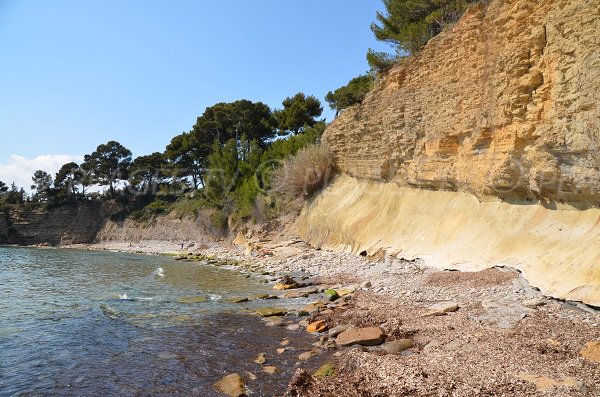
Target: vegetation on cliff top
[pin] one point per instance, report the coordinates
(409, 24)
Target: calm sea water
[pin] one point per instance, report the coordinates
(97, 324)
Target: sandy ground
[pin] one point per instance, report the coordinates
(506, 338)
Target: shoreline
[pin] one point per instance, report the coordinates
(396, 296)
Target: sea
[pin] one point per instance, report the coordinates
(96, 323)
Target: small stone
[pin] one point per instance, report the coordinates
(301, 293)
(366, 284)
(281, 350)
(237, 300)
(293, 327)
(344, 291)
(533, 303)
(271, 311)
(283, 287)
(317, 326)
(370, 336)
(284, 342)
(591, 351)
(441, 309)
(454, 344)
(330, 295)
(307, 355)
(251, 375)
(398, 346)
(261, 359)
(325, 371)
(270, 369)
(231, 385)
(338, 329)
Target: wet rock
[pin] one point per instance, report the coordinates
(284, 342)
(250, 375)
(370, 336)
(591, 351)
(271, 311)
(293, 327)
(261, 359)
(317, 326)
(188, 300)
(270, 369)
(313, 308)
(307, 355)
(398, 346)
(261, 296)
(286, 283)
(330, 295)
(301, 293)
(338, 329)
(237, 300)
(231, 385)
(281, 350)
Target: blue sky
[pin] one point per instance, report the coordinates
(74, 74)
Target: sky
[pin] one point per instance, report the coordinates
(75, 74)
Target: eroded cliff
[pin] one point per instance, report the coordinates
(75, 223)
(504, 104)
(482, 150)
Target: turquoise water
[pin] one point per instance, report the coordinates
(98, 323)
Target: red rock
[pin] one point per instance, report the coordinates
(317, 326)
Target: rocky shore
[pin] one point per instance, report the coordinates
(394, 327)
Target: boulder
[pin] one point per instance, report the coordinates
(370, 336)
(231, 385)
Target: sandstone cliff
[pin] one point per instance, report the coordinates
(482, 150)
(65, 224)
(504, 104)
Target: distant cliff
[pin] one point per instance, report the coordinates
(64, 224)
(504, 104)
(482, 150)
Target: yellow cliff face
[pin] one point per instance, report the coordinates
(558, 250)
(482, 150)
(504, 104)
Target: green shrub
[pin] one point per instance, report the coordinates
(351, 94)
(219, 220)
(306, 173)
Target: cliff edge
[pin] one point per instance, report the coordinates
(505, 104)
(482, 150)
